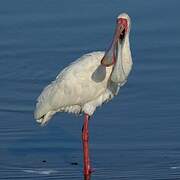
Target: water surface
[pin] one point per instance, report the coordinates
(135, 136)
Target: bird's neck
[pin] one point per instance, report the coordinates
(126, 56)
(123, 62)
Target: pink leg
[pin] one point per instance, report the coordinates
(85, 139)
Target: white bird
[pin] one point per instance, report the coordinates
(88, 82)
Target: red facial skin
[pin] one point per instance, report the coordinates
(123, 22)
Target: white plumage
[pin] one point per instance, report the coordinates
(86, 83)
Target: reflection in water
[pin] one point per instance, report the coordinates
(40, 171)
(87, 177)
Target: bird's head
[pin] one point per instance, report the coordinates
(122, 30)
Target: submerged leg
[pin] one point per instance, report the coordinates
(85, 139)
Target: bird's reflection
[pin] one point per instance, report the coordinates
(87, 177)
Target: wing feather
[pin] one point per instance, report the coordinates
(71, 86)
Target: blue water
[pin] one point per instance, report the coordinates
(136, 136)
